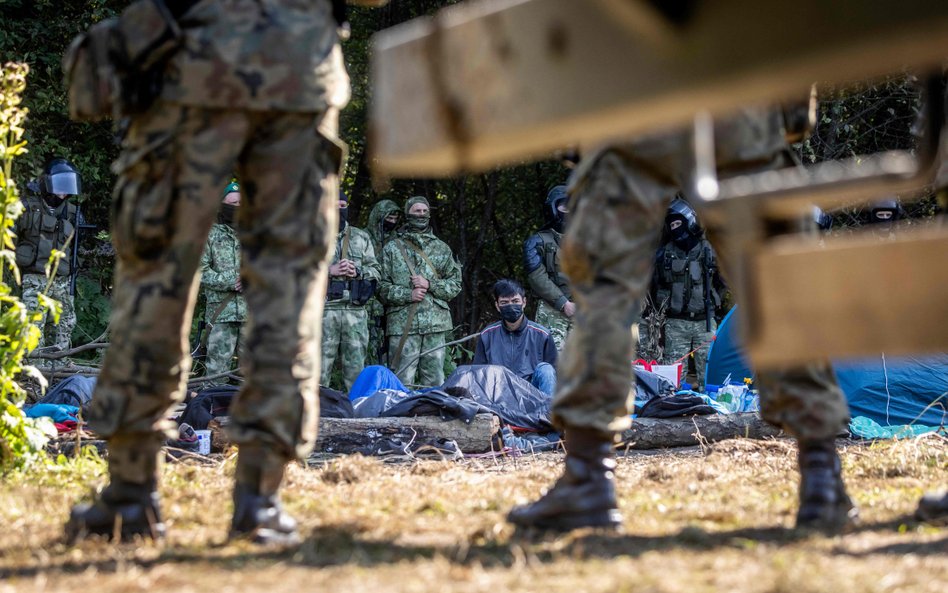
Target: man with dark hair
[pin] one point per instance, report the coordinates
(515, 342)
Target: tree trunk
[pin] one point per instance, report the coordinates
(660, 433)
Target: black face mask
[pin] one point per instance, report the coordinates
(343, 218)
(511, 313)
(53, 201)
(389, 225)
(227, 215)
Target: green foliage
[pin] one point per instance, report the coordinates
(21, 439)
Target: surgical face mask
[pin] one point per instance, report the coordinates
(511, 313)
(419, 223)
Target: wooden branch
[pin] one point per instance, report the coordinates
(660, 433)
(226, 375)
(66, 353)
(349, 435)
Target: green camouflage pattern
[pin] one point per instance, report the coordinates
(419, 371)
(346, 337)
(362, 253)
(377, 346)
(684, 335)
(558, 323)
(220, 270)
(51, 334)
(277, 55)
(174, 161)
(620, 197)
(433, 314)
(223, 342)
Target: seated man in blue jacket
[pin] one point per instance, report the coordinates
(515, 342)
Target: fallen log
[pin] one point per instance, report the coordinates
(349, 435)
(660, 433)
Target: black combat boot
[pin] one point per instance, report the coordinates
(824, 503)
(128, 506)
(585, 495)
(258, 515)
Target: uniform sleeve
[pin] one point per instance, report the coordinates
(211, 278)
(544, 288)
(449, 285)
(480, 352)
(532, 253)
(395, 281)
(370, 269)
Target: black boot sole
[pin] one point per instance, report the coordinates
(609, 519)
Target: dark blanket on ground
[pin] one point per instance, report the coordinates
(456, 406)
(72, 391)
(215, 401)
(674, 406)
(499, 390)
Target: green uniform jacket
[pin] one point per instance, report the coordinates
(432, 314)
(220, 269)
(544, 274)
(360, 251)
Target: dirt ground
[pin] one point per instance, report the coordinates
(715, 519)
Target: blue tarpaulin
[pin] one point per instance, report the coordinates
(891, 391)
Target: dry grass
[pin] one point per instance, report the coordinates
(694, 522)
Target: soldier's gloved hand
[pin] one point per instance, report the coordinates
(417, 294)
(569, 309)
(419, 281)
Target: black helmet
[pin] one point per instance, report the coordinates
(552, 213)
(885, 211)
(60, 177)
(681, 211)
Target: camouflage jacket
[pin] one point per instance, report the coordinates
(360, 251)
(541, 259)
(220, 269)
(276, 55)
(432, 314)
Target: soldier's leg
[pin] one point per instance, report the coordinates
(806, 402)
(355, 341)
(329, 343)
(677, 342)
(608, 250)
(62, 332)
(32, 286)
(174, 162)
(405, 366)
(221, 344)
(701, 338)
(287, 222)
(431, 365)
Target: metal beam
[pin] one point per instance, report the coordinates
(497, 81)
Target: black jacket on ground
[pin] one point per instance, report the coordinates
(520, 351)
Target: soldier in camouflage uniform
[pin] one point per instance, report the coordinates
(254, 87)
(353, 276)
(541, 259)
(47, 223)
(620, 197)
(684, 264)
(419, 277)
(383, 224)
(225, 310)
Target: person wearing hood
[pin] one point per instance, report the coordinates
(541, 259)
(419, 277)
(686, 282)
(49, 223)
(353, 277)
(383, 226)
(225, 310)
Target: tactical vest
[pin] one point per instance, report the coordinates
(40, 232)
(681, 277)
(551, 260)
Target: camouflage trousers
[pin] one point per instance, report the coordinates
(346, 337)
(174, 162)
(558, 323)
(51, 334)
(684, 335)
(619, 204)
(223, 342)
(377, 352)
(414, 370)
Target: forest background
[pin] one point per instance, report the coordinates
(484, 217)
